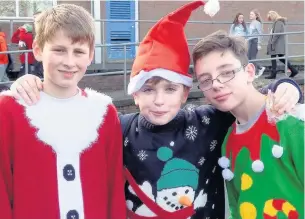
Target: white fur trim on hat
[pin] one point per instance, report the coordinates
(139, 80)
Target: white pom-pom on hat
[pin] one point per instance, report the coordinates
(277, 151)
(211, 7)
(258, 166)
(224, 162)
(227, 174)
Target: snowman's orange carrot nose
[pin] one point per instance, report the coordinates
(184, 200)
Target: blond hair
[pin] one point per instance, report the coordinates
(75, 21)
(273, 16)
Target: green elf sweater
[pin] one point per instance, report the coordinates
(264, 168)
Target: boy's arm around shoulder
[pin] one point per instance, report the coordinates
(114, 156)
(274, 85)
(6, 177)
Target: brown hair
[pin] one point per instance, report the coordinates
(235, 22)
(75, 21)
(258, 15)
(220, 41)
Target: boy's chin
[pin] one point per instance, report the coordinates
(224, 108)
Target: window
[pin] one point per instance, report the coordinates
(24, 8)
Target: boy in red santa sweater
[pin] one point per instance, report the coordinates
(61, 158)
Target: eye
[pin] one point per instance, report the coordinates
(227, 73)
(147, 90)
(174, 193)
(187, 191)
(58, 50)
(80, 52)
(170, 89)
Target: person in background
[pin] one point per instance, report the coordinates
(3, 57)
(38, 68)
(276, 43)
(239, 27)
(23, 36)
(254, 41)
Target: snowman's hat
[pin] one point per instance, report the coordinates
(174, 169)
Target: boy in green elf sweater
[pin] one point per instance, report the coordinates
(262, 154)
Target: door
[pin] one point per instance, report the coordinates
(120, 32)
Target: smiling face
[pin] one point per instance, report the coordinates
(64, 62)
(176, 198)
(234, 79)
(240, 19)
(159, 101)
(252, 16)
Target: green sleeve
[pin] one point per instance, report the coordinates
(296, 139)
(232, 197)
(291, 131)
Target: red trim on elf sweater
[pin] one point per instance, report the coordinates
(250, 139)
(160, 212)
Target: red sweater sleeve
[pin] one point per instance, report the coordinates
(117, 204)
(6, 177)
(15, 37)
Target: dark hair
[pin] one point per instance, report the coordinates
(235, 22)
(221, 41)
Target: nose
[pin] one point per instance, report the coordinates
(159, 98)
(69, 60)
(185, 201)
(217, 85)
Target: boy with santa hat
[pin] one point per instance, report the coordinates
(170, 154)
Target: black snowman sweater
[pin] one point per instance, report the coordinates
(175, 165)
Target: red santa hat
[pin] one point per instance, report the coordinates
(164, 51)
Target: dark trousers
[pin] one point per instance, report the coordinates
(252, 51)
(274, 65)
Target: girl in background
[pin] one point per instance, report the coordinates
(276, 43)
(254, 42)
(239, 27)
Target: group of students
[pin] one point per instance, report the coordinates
(276, 43)
(66, 153)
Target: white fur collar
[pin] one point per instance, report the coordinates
(68, 126)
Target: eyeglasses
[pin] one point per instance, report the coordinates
(221, 78)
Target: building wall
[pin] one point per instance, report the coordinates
(293, 10)
(154, 10)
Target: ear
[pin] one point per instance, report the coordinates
(91, 56)
(250, 70)
(186, 92)
(37, 51)
(136, 99)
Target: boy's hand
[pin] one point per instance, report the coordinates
(27, 88)
(285, 97)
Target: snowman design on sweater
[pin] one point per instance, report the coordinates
(172, 194)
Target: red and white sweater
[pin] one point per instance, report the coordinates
(61, 158)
